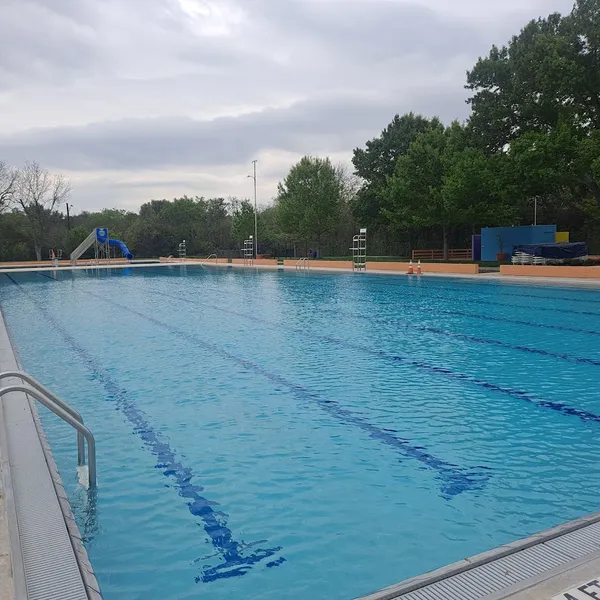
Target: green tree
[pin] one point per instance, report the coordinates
(377, 162)
(442, 183)
(15, 242)
(546, 79)
(309, 199)
(242, 224)
(74, 237)
(118, 221)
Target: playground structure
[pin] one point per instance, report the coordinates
(100, 239)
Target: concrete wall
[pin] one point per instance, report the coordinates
(550, 271)
(402, 267)
(266, 261)
(514, 236)
(322, 264)
(176, 259)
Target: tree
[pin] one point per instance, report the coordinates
(547, 78)
(377, 162)
(309, 199)
(242, 224)
(74, 237)
(442, 182)
(14, 239)
(39, 193)
(8, 183)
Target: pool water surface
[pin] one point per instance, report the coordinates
(271, 435)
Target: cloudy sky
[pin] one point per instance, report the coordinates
(140, 99)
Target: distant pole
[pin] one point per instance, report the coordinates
(68, 217)
(255, 212)
(535, 211)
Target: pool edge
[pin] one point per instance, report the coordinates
(21, 577)
(425, 585)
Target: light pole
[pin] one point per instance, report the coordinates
(535, 211)
(255, 211)
(68, 217)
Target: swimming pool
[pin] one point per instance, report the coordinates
(283, 435)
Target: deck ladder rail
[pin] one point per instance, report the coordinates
(303, 264)
(249, 251)
(63, 410)
(359, 251)
(211, 256)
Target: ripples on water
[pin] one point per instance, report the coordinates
(277, 435)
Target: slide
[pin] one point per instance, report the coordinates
(124, 248)
(99, 237)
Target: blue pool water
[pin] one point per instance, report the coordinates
(286, 436)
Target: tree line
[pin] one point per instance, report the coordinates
(532, 137)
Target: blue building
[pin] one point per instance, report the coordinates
(504, 239)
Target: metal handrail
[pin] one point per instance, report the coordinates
(65, 414)
(211, 256)
(303, 263)
(61, 403)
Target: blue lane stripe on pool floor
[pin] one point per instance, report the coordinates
(454, 479)
(464, 336)
(522, 395)
(236, 561)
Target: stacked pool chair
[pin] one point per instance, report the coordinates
(522, 258)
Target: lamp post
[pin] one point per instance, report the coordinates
(69, 217)
(255, 211)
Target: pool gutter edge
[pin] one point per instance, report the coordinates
(421, 581)
(84, 566)
(17, 570)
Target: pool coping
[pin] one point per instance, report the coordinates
(424, 586)
(46, 562)
(513, 279)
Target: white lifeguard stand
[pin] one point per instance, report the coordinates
(249, 251)
(182, 250)
(359, 251)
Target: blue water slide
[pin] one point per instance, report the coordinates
(123, 247)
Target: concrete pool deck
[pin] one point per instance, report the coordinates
(543, 566)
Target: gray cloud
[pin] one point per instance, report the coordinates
(315, 126)
(41, 44)
(131, 86)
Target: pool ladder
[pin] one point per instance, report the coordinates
(60, 408)
(303, 264)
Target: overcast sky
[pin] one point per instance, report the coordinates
(141, 99)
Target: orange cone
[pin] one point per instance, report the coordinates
(410, 268)
(419, 269)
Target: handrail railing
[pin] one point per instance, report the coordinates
(60, 408)
(211, 256)
(453, 254)
(303, 263)
(61, 403)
